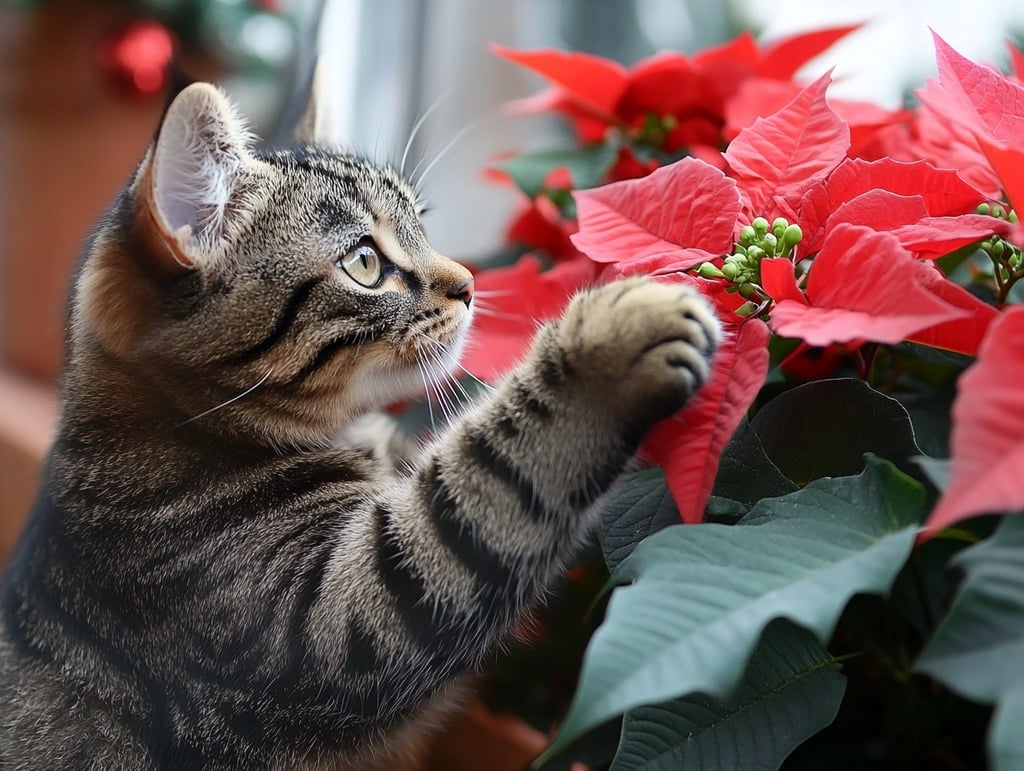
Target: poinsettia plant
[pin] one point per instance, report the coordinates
(811, 523)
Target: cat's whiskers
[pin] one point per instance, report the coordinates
(445, 412)
(230, 401)
(481, 306)
(486, 386)
(448, 408)
(376, 145)
(426, 391)
(437, 382)
(457, 394)
(419, 125)
(448, 390)
(456, 385)
(453, 381)
(483, 310)
(459, 135)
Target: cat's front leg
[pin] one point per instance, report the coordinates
(522, 469)
(450, 558)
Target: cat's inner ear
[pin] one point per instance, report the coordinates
(190, 187)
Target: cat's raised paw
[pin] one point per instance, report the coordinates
(646, 346)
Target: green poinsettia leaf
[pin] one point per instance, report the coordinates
(936, 469)
(930, 413)
(640, 506)
(745, 472)
(724, 509)
(978, 648)
(702, 594)
(1005, 737)
(826, 427)
(586, 166)
(791, 689)
(931, 355)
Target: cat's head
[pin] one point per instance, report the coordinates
(302, 278)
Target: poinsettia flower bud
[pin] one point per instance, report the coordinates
(748, 235)
(770, 243)
(1012, 216)
(779, 226)
(760, 225)
(730, 270)
(792, 236)
(998, 211)
(756, 253)
(709, 270)
(984, 208)
(747, 290)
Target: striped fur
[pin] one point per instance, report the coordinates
(264, 585)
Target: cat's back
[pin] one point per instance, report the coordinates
(44, 723)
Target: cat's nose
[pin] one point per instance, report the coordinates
(463, 292)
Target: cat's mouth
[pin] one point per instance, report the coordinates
(437, 353)
(432, 346)
(418, 363)
(435, 338)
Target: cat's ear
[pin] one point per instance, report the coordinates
(189, 186)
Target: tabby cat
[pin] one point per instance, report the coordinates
(235, 561)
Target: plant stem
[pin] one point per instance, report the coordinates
(1005, 277)
(1012, 278)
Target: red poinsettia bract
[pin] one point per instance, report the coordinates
(676, 217)
(988, 106)
(685, 99)
(988, 430)
(778, 159)
(862, 286)
(688, 445)
(863, 269)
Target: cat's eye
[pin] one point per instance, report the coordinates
(363, 264)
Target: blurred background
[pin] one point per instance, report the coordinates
(83, 84)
